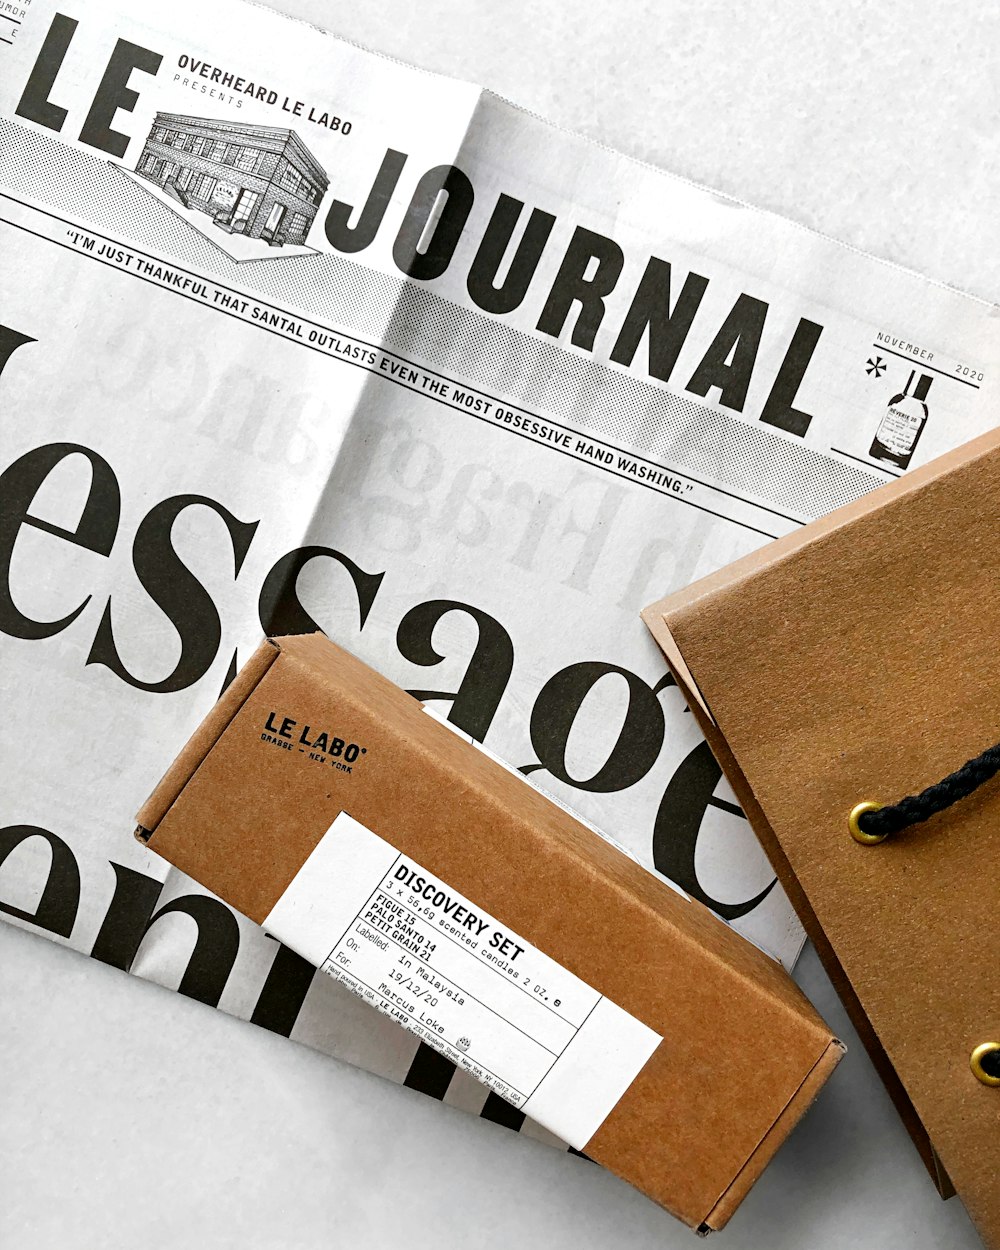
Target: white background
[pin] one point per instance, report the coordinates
(133, 1116)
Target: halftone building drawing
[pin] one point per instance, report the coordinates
(257, 181)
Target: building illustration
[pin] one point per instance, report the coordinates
(258, 181)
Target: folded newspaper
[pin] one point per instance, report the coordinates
(293, 336)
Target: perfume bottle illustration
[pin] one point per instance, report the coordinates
(902, 424)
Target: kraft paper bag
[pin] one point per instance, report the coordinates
(859, 660)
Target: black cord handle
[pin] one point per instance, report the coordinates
(882, 821)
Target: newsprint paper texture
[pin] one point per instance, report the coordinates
(293, 336)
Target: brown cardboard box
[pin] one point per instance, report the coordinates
(857, 660)
(324, 803)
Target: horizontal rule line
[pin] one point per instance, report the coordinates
(463, 990)
(409, 1014)
(482, 962)
(881, 347)
(870, 464)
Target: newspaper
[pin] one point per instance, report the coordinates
(293, 336)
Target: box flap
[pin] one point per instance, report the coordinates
(204, 738)
(797, 1106)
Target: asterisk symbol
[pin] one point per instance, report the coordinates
(876, 367)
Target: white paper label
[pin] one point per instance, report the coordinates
(461, 981)
(898, 430)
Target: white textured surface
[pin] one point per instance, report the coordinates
(873, 123)
(131, 1116)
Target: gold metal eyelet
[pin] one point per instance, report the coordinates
(987, 1051)
(857, 833)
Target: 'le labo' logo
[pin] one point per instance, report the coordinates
(287, 733)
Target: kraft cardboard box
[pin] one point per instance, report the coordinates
(856, 661)
(328, 806)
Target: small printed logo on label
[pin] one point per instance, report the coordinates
(317, 744)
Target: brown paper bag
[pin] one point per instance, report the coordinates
(859, 659)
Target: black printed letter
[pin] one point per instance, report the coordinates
(688, 796)
(496, 240)
(739, 340)
(34, 103)
(175, 589)
(347, 238)
(113, 94)
(445, 232)
(668, 327)
(571, 286)
(779, 410)
(95, 530)
(486, 675)
(636, 746)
